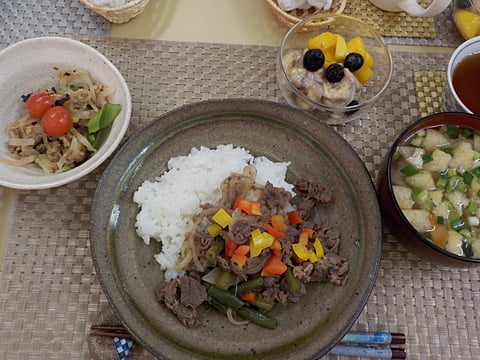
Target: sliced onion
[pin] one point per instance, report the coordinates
(212, 276)
(232, 320)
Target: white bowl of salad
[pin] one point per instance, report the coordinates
(66, 108)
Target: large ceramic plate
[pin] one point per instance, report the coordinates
(129, 273)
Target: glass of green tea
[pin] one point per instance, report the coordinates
(463, 79)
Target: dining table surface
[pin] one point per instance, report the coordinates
(178, 52)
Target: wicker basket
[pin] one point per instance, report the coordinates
(290, 18)
(120, 14)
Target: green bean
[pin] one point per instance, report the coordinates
(257, 317)
(293, 283)
(262, 304)
(218, 306)
(225, 280)
(214, 250)
(248, 285)
(225, 297)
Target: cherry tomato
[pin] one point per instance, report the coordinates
(38, 104)
(57, 121)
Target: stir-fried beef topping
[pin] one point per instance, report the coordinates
(184, 294)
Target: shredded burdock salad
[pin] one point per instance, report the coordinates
(63, 123)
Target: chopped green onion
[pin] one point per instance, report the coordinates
(467, 178)
(465, 233)
(453, 183)
(476, 171)
(466, 132)
(440, 220)
(457, 224)
(456, 183)
(417, 140)
(409, 170)
(415, 192)
(427, 158)
(472, 208)
(441, 183)
(451, 172)
(453, 212)
(467, 248)
(452, 129)
(423, 200)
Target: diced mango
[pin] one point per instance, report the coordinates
(357, 45)
(364, 74)
(323, 41)
(341, 50)
(467, 22)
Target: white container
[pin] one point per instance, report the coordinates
(412, 7)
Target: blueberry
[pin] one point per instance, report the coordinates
(313, 60)
(334, 73)
(353, 61)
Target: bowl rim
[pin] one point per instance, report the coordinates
(456, 57)
(408, 132)
(305, 98)
(45, 181)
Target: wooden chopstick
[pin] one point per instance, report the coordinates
(110, 331)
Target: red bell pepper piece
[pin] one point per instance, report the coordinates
(274, 232)
(310, 233)
(277, 245)
(239, 259)
(230, 247)
(278, 222)
(247, 206)
(242, 250)
(248, 296)
(294, 217)
(273, 266)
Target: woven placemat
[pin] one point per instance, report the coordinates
(402, 29)
(49, 292)
(430, 87)
(391, 23)
(23, 19)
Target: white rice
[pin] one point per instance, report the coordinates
(169, 204)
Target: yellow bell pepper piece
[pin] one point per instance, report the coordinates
(301, 251)
(214, 230)
(317, 245)
(312, 257)
(259, 241)
(222, 218)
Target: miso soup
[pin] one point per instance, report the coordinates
(436, 183)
